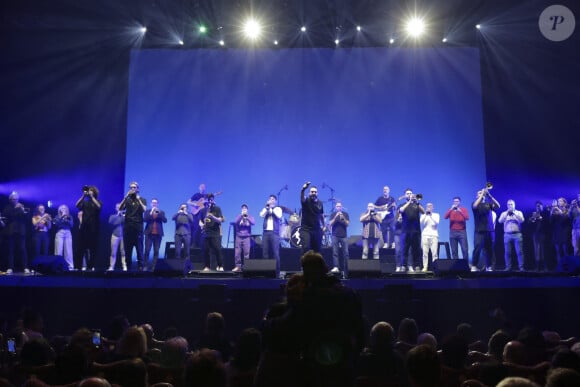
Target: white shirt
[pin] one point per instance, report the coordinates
(429, 224)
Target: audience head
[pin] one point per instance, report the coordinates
(408, 331)
(248, 349)
(496, 344)
(174, 352)
(516, 381)
(465, 330)
(313, 266)
(215, 324)
(36, 352)
(94, 382)
(132, 343)
(423, 366)
(118, 325)
(535, 345)
(514, 352)
(205, 369)
(382, 337)
(427, 339)
(566, 358)
(563, 377)
(454, 351)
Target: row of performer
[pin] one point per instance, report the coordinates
(410, 228)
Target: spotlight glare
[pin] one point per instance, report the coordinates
(222, 43)
(444, 40)
(275, 42)
(252, 29)
(181, 42)
(391, 41)
(303, 29)
(143, 29)
(358, 28)
(202, 29)
(415, 27)
(336, 41)
(478, 26)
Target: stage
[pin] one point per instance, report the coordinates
(488, 300)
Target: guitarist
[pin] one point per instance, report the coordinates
(196, 204)
(385, 206)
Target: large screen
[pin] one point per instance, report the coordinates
(251, 122)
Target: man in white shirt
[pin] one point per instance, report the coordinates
(429, 235)
(272, 215)
(512, 220)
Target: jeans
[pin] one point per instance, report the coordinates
(340, 248)
(458, 237)
(63, 246)
(513, 239)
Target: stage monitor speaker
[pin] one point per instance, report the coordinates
(444, 267)
(570, 264)
(265, 268)
(49, 264)
(175, 267)
(364, 268)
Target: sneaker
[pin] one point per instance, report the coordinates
(206, 269)
(411, 270)
(398, 269)
(473, 269)
(110, 268)
(237, 269)
(219, 268)
(84, 269)
(9, 272)
(26, 271)
(335, 270)
(424, 270)
(489, 269)
(124, 268)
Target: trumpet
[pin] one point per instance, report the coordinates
(416, 198)
(488, 186)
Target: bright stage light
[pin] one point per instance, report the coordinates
(202, 29)
(275, 42)
(222, 43)
(478, 26)
(303, 29)
(444, 40)
(181, 42)
(415, 27)
(336, 41)
(391, 41)
(143, 30)
(252, 29)
(358, 28)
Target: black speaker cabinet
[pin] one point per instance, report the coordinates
(450, 266)
(49, 264)
(364, 268)
(570, 264)
(265, 268)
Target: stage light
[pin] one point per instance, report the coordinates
(444, 40)
(478, 26)
(181, 42)
(358, 28)
(415, 27)
(275, 42)
(202, 29)
(143, 29)
(391, 41)
(303, 29)
(336, 41)
(222, 43)
(252, 29)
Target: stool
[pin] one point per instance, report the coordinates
(447, 249)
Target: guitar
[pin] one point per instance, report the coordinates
(385, 209)
(197, 205)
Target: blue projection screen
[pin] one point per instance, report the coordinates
(250, 122)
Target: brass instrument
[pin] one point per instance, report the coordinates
(488, 186)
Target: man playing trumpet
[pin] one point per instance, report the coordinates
(483, 207)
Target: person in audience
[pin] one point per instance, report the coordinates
(428, 339)
(205, 369)
(406, 336)
(517, 381)
(174, 352)
(214, 336)
(379, 363)
(423, 366)
(241, 368)
(563, 377)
